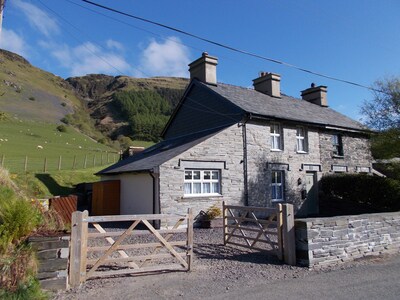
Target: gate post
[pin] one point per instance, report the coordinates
(225, 222)
(288, 237)
(189, 241)
(279, 219)
(77, 259)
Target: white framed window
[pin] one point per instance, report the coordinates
(276, 137)
(277, 185)
(337, 145)
(301, 140)
(202, 182)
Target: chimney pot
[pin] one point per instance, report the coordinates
(204, 69)
(316, 95)
(269, 84)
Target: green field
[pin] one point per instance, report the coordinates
(30, 146)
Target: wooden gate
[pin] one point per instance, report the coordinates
(150, 250)
(273, 232)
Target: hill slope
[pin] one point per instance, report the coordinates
(90, 103)
(33, 94)
(102, 92)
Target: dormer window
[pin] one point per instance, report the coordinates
(276, 137)
(301, 140)
(337, 145)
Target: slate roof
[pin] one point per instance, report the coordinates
(156, 155)
(287, 108)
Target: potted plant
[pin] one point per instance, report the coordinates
(211, 218)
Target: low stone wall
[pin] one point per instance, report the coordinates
(330, 241)
(52, 254)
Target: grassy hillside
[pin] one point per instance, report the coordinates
(41, 142)
(31, 93)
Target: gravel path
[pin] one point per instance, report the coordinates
(217, 269)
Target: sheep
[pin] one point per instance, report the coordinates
(39, 147)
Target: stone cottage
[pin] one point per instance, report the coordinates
(243, 146)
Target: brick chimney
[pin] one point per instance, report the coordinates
(316, 95)
(204, 69)
(269, 84)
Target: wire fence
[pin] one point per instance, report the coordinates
(45, 164)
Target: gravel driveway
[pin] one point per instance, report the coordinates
(217, 269)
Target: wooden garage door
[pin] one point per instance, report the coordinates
(106, 198)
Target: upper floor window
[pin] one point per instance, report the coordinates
(276, 137)
(202, 182)
(301, 140)
(277, 185)
(337, 145)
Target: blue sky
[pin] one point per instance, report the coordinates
(356, 40)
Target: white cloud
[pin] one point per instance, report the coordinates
(38, 18)
(115, 45)
(88, 58)
(11, 41)
(170, 58)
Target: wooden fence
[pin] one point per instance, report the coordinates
(149, 250)
(273, 232)
(64, 206)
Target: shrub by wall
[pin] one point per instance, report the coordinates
(349, 194)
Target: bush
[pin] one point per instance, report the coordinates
(62, 128)
(32, 98)
(355, 194)
(18, 218)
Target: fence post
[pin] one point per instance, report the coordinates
(225, 222)
(279, 220)
(26, 164)
(74, 163)
(85, 161)
(94, 160)
(2, 160)
(45, 165)
(189, 250)
(59, 163)
(77, 260)
(288, 237)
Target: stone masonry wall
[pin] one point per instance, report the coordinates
(52, 255)
(260, 157)
(356, 152)
(225, 146)
(330, 241)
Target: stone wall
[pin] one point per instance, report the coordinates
(356, 152)
(262, 160)
(330, 241)
(226, 148)
(52, 255)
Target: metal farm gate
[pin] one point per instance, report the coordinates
(96, 252)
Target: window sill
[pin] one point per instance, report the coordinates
(301, 152)
(338, 156)
(200, 197)
(277, 201)
(276, 150)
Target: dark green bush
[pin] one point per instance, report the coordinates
(356, 193)
(62, 128)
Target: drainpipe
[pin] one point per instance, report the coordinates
(244, 161)
(156, 223)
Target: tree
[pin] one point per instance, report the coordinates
(383, 111)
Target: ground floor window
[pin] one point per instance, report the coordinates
(277, 185)
(202, 182)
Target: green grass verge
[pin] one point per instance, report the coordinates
(57, 183)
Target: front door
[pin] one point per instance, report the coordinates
(312, 193)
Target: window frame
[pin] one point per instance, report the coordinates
(202, 182)
(337, 145)
(276, 134)
(302, 138)
(280, 185)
